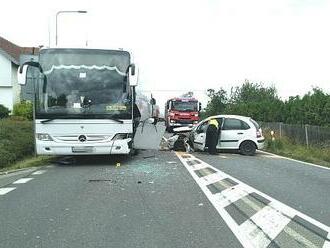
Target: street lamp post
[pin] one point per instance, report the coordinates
(66, 11)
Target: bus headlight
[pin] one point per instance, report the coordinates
(44, 137)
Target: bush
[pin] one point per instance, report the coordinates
(24, 109)
(16, 140)
(4, 112)
(273, 145)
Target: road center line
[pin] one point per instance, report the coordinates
(4, 191)
(256, 219)
(23, 180)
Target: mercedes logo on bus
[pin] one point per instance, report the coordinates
(82, 138)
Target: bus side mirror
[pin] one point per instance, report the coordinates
(21, 74)
(133, 74)
(199, 106)
(22, 71)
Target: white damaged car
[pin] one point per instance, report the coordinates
(236, 133)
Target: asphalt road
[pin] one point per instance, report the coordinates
(303, 187)
(156, 200)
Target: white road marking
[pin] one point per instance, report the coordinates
(212, 178)
(265, 224)
(295, 160)
(199, 166)
(39, 172)
(327, 243)
(297, 236)
(269, 220)
(255, 235)
(231, 195)
(23, 180)
(269, 156)
(4, 191)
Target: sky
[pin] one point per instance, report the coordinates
(191, 45)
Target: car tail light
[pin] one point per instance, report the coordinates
(259, 134)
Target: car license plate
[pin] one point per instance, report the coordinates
(82, 149)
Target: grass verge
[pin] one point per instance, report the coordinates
(16, 140)
(286, 148)
(29, 162)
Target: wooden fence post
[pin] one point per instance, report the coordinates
(306, 134)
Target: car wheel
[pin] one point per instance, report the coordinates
(247, 148)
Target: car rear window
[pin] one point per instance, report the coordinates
(255, 123)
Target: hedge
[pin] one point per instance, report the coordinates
(24, 109)
(16, 140)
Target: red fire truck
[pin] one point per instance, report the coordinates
(181, 111)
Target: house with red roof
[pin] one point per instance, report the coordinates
(11, 56)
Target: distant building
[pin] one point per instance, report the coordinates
(11, 56)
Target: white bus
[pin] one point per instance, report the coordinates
(84, 101)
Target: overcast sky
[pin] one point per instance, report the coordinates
(191, 45)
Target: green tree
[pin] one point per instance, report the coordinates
(263, 104)
(217, 103)
(312, 108)
(255, 100)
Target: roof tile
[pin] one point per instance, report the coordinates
(15, 51)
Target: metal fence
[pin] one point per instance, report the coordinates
(301, 134)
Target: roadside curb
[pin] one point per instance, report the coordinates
(295, 160)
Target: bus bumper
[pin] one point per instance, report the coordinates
(61, 148)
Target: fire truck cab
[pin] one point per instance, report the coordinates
(181, 111)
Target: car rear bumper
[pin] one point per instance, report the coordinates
(261, 143)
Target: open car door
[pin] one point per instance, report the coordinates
(200, 136)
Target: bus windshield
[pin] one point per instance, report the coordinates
(83, 83)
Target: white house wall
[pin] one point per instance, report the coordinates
(5, 71)
(16, 86)
(6, 97)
